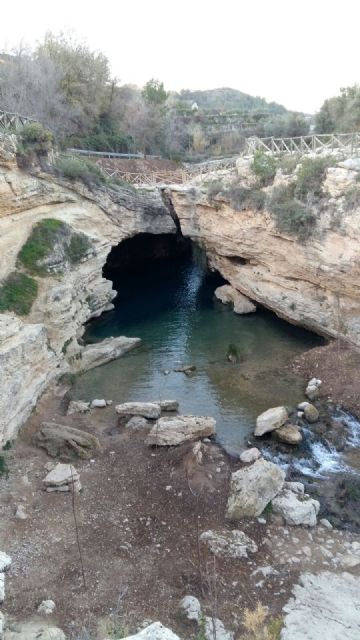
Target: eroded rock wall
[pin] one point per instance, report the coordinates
(36, 347)
(313, 283)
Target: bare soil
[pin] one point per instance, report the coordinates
(337, 364)
(139, 517)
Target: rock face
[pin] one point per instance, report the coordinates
(295, 508)
(173, 431)
(61, 440)
(229, 544)
(324, 606)
(252, 488)
(45, 343)
(145, 409)
(227, 294)
(270, 420)
(299, 281)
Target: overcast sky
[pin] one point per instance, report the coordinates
(296, 53)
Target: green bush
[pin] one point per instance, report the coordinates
(17, 293)
(39, 245)
(288, 164)
(80, 169)
(290, 215)
(310, 177)
(242, 198)
(34, 142)
(264, 167)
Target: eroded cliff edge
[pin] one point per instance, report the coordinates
(312, 282)
(37, 347)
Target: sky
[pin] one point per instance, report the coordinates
(295, 53)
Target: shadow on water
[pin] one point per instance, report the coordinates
(170, 305)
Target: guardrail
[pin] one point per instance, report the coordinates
(348, 143)
(13, 121)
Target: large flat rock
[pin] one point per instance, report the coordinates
(59, 439)
(324, 606)
(155, 631)
(296, 509)
(176, 430)
(149, 410)
(95, 355)
(271, 419)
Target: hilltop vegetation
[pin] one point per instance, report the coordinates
(341, 113)
(69, 89)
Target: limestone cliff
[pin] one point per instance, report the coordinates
(36, 347)
(314, 283)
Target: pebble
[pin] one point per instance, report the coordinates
(325, 523)
(21, 513)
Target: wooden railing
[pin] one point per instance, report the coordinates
(347, 143)
(13, 121)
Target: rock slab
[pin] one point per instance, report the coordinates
(229, 544)
(168, 432)
(295, 508)
(228, 294)
(149, 410)
(155, 631)
(326, 605)
(60, 440)
(252, 488)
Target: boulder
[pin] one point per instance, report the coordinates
(149, 410)
(173, 431)
(78, 406)
(169, 405)
(190, 608)
(325, 605)
(136, 422)
(47, 607)
(156, 631)
(227, 294)
(63, 477)
(312, 390)
(33, 631)
(311, 414)
(61, 440)
(288, 433)
(271, 419)
(252, 488)
(98, 403)
(215, 630)
(250, 455)
(296, 509)
(20, 512)
(229, 544)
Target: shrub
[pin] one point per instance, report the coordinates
(310, 177)
(17, 293)
(34, 142)
(242, 198)
(4, 471)
(40, 245)
(264, 167)
(80, 169)
(214, 188)
(290, 215)
(352, 198)
(258, 628)
(288, 164)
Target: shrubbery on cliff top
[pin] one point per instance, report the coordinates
(18, 293)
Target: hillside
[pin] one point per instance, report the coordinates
(226, 99)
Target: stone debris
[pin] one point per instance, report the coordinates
(149, 410)
(98, 403)
(312, 390)
(252, 488)
(47, 607)
(61, 440)
(296, 509)
(213, 628)
(20, 512)
(229, 295)
(271, 419)
(229, 544)
(324, 606)
(63, 477)
(78, 406)
(177, 430)
(250, 455)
